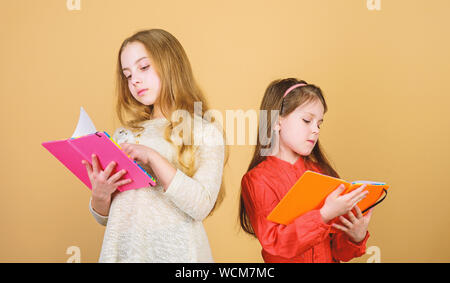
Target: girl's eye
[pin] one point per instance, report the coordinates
(143, 69)
(307, 122)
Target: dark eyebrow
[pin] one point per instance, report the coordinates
(135, 62)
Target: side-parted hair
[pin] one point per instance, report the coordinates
(179, 91)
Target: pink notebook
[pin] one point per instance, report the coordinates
(71, 152)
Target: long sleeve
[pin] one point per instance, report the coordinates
(287, 241)
(151, 225)
(196, 196)
(102, 220)
(343, 249)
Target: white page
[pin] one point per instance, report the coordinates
(85, 125)
(369, 183)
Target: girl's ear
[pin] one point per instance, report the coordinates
(277, 125)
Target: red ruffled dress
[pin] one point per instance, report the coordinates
(308, 238)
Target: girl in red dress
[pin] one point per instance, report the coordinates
(287, 146)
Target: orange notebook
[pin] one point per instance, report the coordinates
(311, 190)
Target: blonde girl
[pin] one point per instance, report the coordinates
(161, 223)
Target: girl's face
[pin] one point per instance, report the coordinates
(299, 131)
(137, 67)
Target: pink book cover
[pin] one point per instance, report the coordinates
(70, 152)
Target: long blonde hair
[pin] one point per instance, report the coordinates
(179, 91)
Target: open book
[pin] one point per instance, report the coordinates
(85, 141)
(311, 190)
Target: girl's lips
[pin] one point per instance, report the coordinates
(313, 142)
(142, 91)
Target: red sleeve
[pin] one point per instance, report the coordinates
(344, 249)
(287, 241)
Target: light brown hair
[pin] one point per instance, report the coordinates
(273, 100)
(179, 91)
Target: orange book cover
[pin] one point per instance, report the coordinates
(311, 190)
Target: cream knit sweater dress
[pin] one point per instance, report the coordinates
(150, 225)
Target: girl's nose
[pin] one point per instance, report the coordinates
(315, 129)
(135, 80)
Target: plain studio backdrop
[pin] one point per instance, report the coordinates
(384, 72)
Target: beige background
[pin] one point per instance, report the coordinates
(384, 74)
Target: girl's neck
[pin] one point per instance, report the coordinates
(287, 154)
(156, 113)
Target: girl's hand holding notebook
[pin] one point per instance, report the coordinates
(334, 197)
(337, 204)
(103, 183)
(355, 226)
(76, 151)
